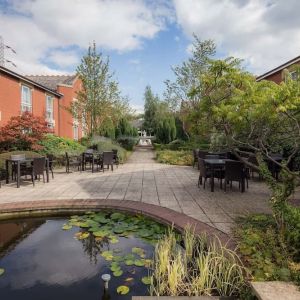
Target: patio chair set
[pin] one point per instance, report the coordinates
(18, 165)
(93, 160)
(225, 167)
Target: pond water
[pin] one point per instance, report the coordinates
(65, 258)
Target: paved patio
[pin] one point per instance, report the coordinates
(141, 179)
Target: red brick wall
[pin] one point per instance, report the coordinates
(66, 119)
(10, 100)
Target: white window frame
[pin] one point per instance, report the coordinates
(50, 111)
(75, 131)
(26, 102)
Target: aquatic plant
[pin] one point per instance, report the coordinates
(197, 267)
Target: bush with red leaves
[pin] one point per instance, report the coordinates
(23, 133)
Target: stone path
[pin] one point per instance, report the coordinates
(141, 179)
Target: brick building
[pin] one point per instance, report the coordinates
(47, 96)
(277, 74)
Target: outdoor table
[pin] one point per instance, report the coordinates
(214, 164)
(18, 162)
(89, 154)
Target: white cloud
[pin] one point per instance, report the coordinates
(34, 27)
(64, 58)
(265, 33)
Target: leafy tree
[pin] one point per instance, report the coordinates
(99, 103)
(151, 109)
(260, 117)
(187, 77)
(23, 132)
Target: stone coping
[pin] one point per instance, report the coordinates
(58, 207)
(271, 290)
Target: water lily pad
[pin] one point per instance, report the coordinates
(82, 235)
(118, 273)
(123, 289)
(146, 280)
(101, 233)
(2, 271)
(84, 225)
(66, 227)
(118, 258)
(115, 268)
(139, 251)
(147, 263)
(108, 255)
(145, 233)
(113, 239)
(129, 257)
(117, 216)
(139, 263)
(101, 219)
(129, 262)
(129, 279)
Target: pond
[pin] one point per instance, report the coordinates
(65, 258)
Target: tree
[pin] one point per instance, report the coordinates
(99, 103)
(151, 109)
(187, 78)
(23, 132)
(260, 117)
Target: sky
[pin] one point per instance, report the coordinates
(145, 38)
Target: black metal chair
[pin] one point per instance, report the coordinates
(37, 169)
(51, 161)
(23, 166)
(73, 161)
(2, 175)
(252, 159)
(202, 154)
(116, 157)
(206, 172)
(235, 171)
(108, 160)
(195, 154)
(87, 157)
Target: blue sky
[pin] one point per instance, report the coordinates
(145, 38)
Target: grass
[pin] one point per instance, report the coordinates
(180, 158)
(197, 267)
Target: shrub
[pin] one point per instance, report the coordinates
(181, 158)
(23, 133)
(265, 255)
(127, 142)
(106, 144)
(58, 146)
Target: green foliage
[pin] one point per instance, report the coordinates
(127, 142)
(166, 130)
(106, 144)
(266, 257)
(58, 146)
(151, 110)
(99, 105)
(181, 158)
(124, 128)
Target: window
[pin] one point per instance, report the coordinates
(49, 109)
(294, 75)
(26, 102)
(75, 131)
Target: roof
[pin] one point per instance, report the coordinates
(52, 81)
(281, 67)
(29, 81)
